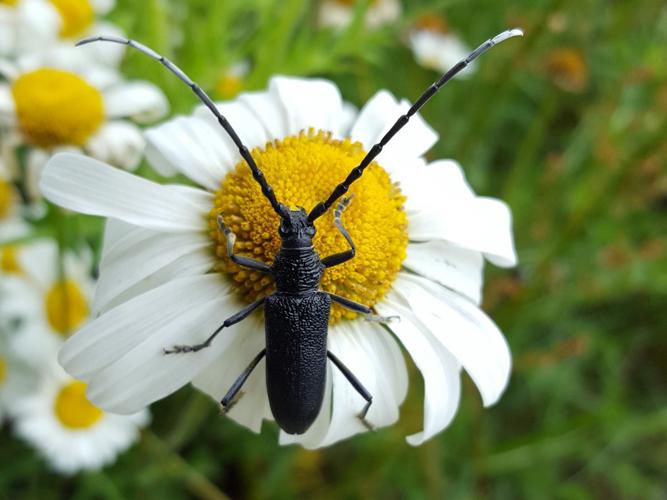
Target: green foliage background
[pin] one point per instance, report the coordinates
(585, 313)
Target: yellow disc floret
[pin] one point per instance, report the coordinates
(9, 262)
(66, 307)
(303, 170)
(3, 371)
(57, 108)
(6, 198)
(73, 408)
(76, 15)
(9, 2)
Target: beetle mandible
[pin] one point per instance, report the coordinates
(297, 313)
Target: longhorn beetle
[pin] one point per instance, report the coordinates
(297, 314)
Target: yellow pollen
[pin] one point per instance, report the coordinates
(3, 371)
(76, 15)
(303, 170)
(9, 262)
(56, 108)
(73, 408)
(6, 198)
(66, 307)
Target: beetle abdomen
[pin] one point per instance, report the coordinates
(296, 357)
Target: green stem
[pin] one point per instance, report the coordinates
(196, 482)
(197, 409)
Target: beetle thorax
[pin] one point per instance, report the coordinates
(297, 267)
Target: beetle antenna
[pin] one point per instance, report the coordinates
(357, 172)
(203, 97)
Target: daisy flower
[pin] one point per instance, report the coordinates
(71, 433)
(232, 82)
(64, 104)
(422, 236)
(40, 25)
(435, 47)
(45, 306)
(340, 13)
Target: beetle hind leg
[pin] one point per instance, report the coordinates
(363, 392)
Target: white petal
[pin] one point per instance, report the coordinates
(188, 145)
(141, 101)
(118, 143)
(121, 352)
(379, 114)
(103, 7)
(308, 103)
(368, 353)
(191, 264)
(126, 265)
(439, 51)
(442, 206)
(242, 119)
(92, 187)
(463, 329)
(7, 112)
(438, 368)
(219, 376)
(110, 54)
(453, 267)
(268, 111)
(374, 358)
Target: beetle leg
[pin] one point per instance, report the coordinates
(360, 308)
(254, 264)
(232, 320)
(339, 258)
(229, 400)
(363, 392)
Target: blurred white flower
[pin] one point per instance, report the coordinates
(65, 104)
(422, 236)
(436, 48)
(67, 430)
(38, 26)
(340, 13)
(43, 306)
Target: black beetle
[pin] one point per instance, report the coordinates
(297, 314)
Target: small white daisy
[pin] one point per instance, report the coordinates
(61, 104)
(340, 13)
(422, 236)
(28, 26)
(69, 432)
(43, 306)
(435, 47)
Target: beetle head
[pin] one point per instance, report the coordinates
(295, 229)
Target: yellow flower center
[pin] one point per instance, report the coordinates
(66, 307)
(8, 2)
(56, 108)
(229, 86)
(9, 262)
(3, 371)
(568, 69)
(6, 198)
(303, 170)
(76, 15)
(73, 408)
(350, 3)
(432, 22)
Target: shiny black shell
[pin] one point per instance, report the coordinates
(296, 357)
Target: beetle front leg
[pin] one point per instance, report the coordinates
(232, 320)
(363, 392)
(339, 258)
(254, 264)
(362, 309)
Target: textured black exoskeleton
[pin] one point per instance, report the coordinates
(297, 314)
